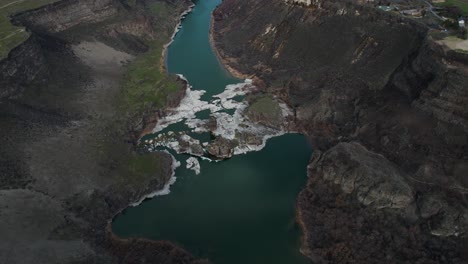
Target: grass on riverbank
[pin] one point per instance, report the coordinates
(11, 36)
(145, 89)
(146, 86)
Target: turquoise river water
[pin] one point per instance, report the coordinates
(240, 210)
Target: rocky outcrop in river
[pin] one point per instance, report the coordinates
(384, 107)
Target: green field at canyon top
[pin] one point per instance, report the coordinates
(10, 35)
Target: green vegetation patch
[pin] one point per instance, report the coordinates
(163, 12)
(462, 4)
(11, 36)
(130, 168)
(265, 109)
(145, 85)
(145, 166)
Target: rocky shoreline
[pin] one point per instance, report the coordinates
(255, 119)
(151, 120)
(378, 109)
(66, 136)
(222, 59)
(176, 30)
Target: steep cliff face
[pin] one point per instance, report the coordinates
(444, 90)
(26, 61)
(385, 109)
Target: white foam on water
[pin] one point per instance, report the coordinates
(197, 125)
(227, 126)
(188, 107)
(176, 142)
(193, 164)
(208, 159)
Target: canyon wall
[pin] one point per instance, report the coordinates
(63, 15)
(385, 109)
(27, 60)
(67, 165)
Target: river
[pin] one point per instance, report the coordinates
(240, 210)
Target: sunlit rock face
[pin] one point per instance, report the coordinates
(370, 177)
(304, 2)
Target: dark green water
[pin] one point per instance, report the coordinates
(237, 211)
(191, 55)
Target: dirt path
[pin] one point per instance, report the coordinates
(12, 3)
(12, 34)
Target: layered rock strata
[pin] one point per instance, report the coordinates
(384, 106)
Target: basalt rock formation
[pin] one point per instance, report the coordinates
(385, 109)
(66, 164)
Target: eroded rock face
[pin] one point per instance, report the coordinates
(384, 104)
(370, 177)
(358, 207)
(221, 148)
(446, 218)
